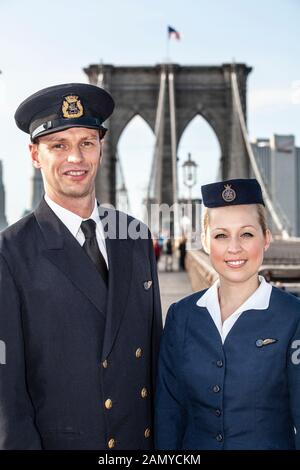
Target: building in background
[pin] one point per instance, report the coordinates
(37, 188)
(3, 221)
(279, 162)
(298, 195)
(37, 191)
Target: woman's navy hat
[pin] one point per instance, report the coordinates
(60, 107)
(232, 193)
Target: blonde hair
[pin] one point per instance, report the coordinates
(262, 219)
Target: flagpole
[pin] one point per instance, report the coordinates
(168, 48)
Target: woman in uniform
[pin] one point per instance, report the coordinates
(229, 368)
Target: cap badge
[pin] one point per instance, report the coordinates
(228, 194)
(72, 107)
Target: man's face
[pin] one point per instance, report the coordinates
(69, 161)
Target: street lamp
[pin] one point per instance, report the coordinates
(190, 180)
(190, 174)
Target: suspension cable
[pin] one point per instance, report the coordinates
(156, 165)
(256, 171)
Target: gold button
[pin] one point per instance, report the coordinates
(138, 353)
(147, 433)
(144, 393)
(108, 404)
(111, 443)
(104, 364)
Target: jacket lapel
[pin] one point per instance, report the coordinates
(66, 254)
(119, 250)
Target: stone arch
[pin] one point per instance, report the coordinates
(208, 117)
(204, 165)
(135, 154)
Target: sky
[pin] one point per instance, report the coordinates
(46, 43)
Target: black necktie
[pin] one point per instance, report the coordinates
(91, 247)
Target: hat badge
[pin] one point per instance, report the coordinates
(228, 194)
(72, 107)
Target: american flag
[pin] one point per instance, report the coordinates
(173, 33)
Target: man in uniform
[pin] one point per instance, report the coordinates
(79, 302)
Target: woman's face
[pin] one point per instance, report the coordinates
(236, 242)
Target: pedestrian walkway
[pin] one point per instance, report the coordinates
(173, 286)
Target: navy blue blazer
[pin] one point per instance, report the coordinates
(240, 395)
(80, 358)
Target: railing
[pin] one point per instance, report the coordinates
(200, 270)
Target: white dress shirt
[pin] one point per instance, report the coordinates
(73, 221)
(259, 300)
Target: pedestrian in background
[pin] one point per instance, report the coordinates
(169, 255)
(182, 253)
